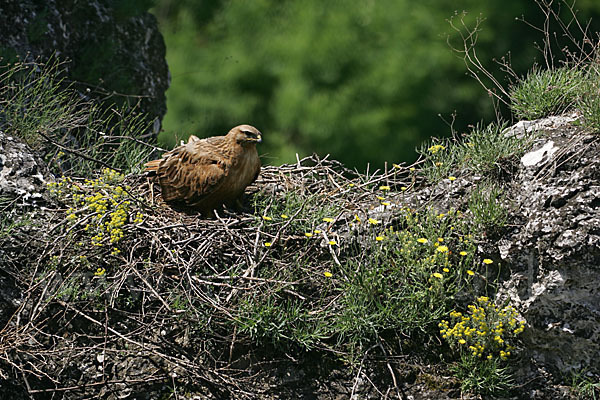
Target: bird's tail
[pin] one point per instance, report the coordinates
(152, 166)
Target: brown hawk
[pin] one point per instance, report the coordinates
(206, 173)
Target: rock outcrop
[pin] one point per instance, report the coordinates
(114, 49)
(554, 254)
(549, 253)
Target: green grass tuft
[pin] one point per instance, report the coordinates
(484, 151)
(486, 206)
(585, 387)
(547, 92)
(72, 134)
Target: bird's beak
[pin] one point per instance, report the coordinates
(258, 139)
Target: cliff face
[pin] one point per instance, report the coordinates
(114, 49)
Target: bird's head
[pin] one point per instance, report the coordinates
(246, 134)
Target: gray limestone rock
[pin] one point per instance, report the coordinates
(23, 176)
(554, 255)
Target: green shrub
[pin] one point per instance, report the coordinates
(390, 280)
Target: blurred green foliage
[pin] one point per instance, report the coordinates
(363, 80)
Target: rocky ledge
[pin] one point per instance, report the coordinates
(546, 260)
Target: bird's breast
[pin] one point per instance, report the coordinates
(245, 168)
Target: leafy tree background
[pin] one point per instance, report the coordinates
(363, 80)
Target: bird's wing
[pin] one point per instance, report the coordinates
(193, 171)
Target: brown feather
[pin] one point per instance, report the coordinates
(205, 173)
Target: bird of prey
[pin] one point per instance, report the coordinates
(206, 173)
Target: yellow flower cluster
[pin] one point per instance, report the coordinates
(58, 188)
(117, 220)
(485, 330)
(111, 176)
(102, 202)
(139, 218)
(435, 148)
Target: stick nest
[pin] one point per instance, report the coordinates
(122, 292)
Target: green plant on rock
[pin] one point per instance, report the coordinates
(391, 280)
(547, 92)
(71, 134)
(406, 278)
(481, 151)
(584, 386)
(589, 104)
(485, 337)
(33, 99)
(485, 377)
(486, 207)
(102, 206)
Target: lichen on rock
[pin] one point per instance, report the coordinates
(23, 176)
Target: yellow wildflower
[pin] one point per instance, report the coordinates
(435, 148)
